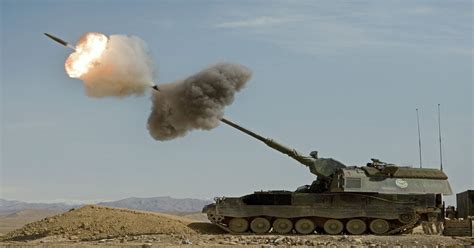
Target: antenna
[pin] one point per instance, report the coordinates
(419, 136)
(439, 132)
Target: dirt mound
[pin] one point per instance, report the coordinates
(94, 222)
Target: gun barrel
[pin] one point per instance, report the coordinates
(322, 167)
(230, 123)
(273, 144)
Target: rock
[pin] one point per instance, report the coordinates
(344, 238)
(309, 243)
(147, 245)
(357, 240)
(279, 241)
(186, 242)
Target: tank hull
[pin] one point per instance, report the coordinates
(400, 212)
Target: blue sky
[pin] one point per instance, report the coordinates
(340, 77)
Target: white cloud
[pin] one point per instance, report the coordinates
(260, 21)
(318, 29)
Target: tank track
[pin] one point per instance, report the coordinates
(408, 227)
(405, 228)
(217, 220)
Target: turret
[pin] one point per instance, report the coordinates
(322, 167)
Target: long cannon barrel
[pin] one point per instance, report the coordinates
(308, 161)
(230, 123)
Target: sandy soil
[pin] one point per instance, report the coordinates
(225, 240)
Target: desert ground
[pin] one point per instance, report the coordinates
(99, 226)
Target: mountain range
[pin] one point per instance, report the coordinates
(155, 204)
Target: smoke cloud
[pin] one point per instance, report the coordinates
(124, 68)
(196, 102)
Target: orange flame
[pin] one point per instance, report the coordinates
(88, 51)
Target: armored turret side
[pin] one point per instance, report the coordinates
(356, 180)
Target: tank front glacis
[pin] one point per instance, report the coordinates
(379, 198)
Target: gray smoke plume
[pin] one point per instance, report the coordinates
(196, 102)
(125, 68)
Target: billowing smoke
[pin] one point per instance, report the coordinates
(196, 102)
(120, 65)
(117, 66)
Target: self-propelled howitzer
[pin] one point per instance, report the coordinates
(378, 198)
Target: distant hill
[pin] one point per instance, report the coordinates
(155, 204)
(159, 204)
(10, 207)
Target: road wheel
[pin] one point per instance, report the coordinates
(260, 225)
(304, 226)
(238, 225)
(282, 226)
(214, 218)
(333, 226)
(406, 218)
(356, 226)
(379, 226)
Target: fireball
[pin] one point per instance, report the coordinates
(89, 49)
